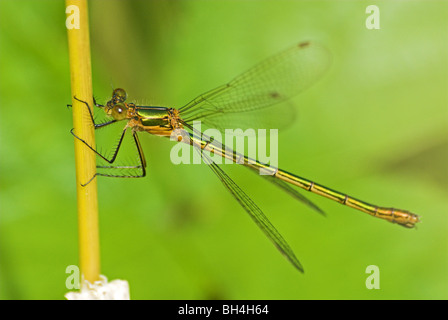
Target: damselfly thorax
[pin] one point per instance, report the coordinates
(159, 121)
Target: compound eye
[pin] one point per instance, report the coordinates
(119, 95)
(119, 111)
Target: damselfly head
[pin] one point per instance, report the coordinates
(119, 95)
(116, 106)
(119, 111)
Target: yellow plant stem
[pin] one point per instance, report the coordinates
(81, 84)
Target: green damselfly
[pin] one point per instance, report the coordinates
(270, 82)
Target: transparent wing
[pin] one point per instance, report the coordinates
(253, 210)
(274, 80)
(267, 118)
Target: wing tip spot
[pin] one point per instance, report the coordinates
(274, 94)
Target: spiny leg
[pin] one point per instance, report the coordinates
(117, 149)
(98, 126)
(141, 166)
(142, 162)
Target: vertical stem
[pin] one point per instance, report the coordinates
(81, 84)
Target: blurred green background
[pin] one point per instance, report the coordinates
(375, 127)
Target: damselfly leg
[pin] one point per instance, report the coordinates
(116, 171)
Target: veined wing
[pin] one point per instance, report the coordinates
(274, 80)
(252, 209)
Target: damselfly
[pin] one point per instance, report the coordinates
(270, 82)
